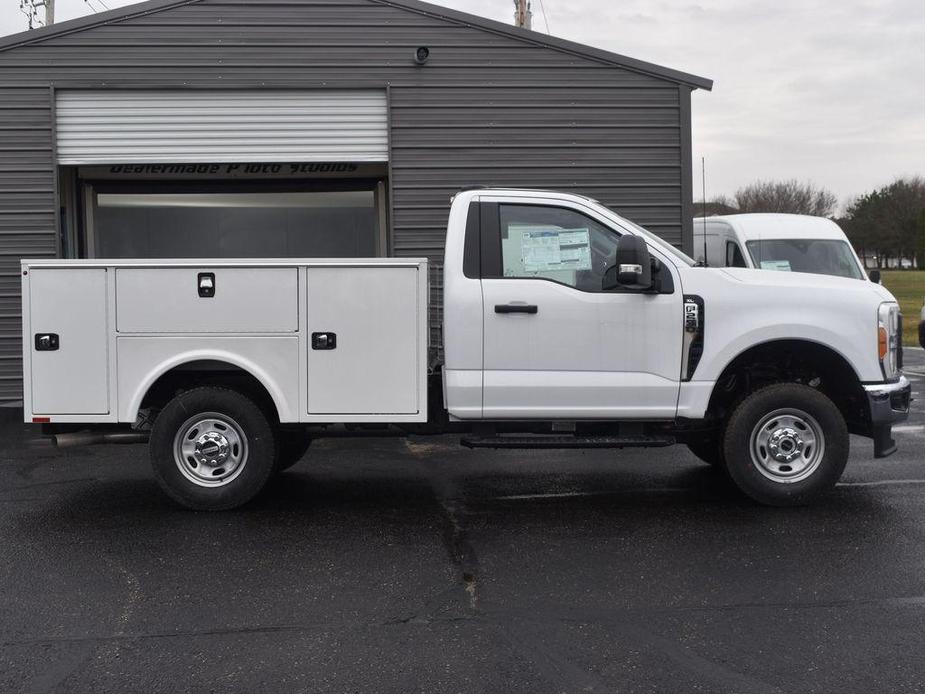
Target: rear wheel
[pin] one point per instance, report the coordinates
(786, 444)
(212, 449)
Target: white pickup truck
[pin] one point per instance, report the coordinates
(564, 326)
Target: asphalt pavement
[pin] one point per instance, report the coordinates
(386, 565)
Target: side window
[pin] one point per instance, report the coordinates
(734, 255)
(555, 243)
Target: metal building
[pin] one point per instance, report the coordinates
(240, 128)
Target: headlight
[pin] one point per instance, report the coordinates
(888, 340)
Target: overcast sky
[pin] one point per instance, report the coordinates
(827, 90)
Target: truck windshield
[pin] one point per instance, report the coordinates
(819, 256)
(663, 245)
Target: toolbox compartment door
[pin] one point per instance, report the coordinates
(207, 300)
(363, 348)
(71, 377)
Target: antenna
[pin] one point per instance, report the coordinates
(703, 205)
(545, 18)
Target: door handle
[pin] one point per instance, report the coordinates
(324, 340)
(516, 308)
(46, 342)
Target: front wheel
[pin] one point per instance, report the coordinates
(212, 449)
(786, 444)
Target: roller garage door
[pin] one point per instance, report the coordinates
(121, 126)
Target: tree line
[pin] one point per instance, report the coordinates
(886, 223)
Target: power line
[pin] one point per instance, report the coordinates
(545, 19)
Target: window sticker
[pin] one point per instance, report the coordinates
(781, 265)
(550, 248)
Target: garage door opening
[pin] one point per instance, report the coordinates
(232, 220)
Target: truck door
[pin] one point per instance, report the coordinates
(555, 344)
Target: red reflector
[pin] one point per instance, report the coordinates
(41, 420)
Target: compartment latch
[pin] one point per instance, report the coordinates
(206, 284)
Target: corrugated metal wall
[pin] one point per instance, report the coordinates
(27, 212)
(487, 108)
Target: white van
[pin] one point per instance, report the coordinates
(784, 242)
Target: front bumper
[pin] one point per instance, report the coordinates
(888, 403)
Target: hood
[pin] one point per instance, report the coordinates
(808, 280)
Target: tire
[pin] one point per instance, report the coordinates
(709, 451)
(212, 449)
(785, 445)
(292, 445)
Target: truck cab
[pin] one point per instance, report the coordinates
(533, 328)
(564, 326)
(771, 241)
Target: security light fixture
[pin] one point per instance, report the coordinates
(421, 54)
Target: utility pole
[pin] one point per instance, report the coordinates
(523, 14)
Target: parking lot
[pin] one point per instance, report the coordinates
(391, 566)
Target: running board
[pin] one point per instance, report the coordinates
(544, 441)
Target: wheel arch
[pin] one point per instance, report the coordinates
(797, 360)
(199, 367)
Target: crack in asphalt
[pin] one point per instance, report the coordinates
(451, 502)
(461, 551)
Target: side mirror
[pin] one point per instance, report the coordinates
(633, 269)
(875, 276)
